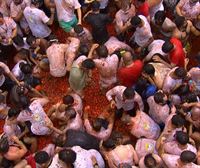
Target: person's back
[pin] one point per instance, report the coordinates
(98, 22)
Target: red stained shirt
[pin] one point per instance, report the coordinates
(128, 76)
(177, 56)
(143, 9)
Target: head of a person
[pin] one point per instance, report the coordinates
(95, 6)
(18, 40)
(136, 21)
(109, 144)
(97, 124)
(1, 19)
(149, 69)
(180, 22)
(4, 145)
(88, 64)
(17, 2)
(160, 17)
(127, 57)
(26, 68)
(68, 100)
(71, 112)
(180, 73)
(78, 29)
(187, 156)
(129, 93)
(24, 102)
(191, 98)
(125, 5)
(12, 113)
(182, 137)
(37, 3)
(149, 161)
(141, 83)
(42, 158)
(160, 98)
(32, 41)
(167, 47)
(67, 156)
(102, 51)
(178, 121)
(83, 50)
(124, 165)
(23, 53)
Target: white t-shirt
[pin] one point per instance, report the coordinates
(65, 13)
(143, 34)
(37, 117)
(17, 71)
(37, 20)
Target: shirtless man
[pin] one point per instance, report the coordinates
(107, 66)
(183, 29)
(101, 127)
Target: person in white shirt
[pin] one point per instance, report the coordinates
(78, 157)
(124, 99)
(37, 20)
(66, 13)
(143, 35)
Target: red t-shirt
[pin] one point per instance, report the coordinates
(143, 9)
(31, 161)
(128, 76)
(177, 56)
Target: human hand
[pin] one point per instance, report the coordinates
(112, 104)
(94, 46)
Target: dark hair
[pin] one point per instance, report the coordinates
(180, 72)
(129, 93)
(149, 161)
(88, 64)
(83, 50)
(13, 112)
(191, 97)
(30, 39)
(124, 165)
(136, 21)
(4, 145)
(158, 97)
(68, 100)
(41, 157)
(24, 101)
(160, 16)
(67, 156)
(167, 46)
(78, 29)
(24, 52)
(179, 21)
(96, 124)
(187, 156)
(182, 137)
(26, 68)
(102, 51)
(95, 5)
(71, 112)
(37, 2)
(18, 40)
(178, 120)
(141, 1)
(109, 143)
(149, 69)
(1, 15)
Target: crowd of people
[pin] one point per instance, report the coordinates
(144, 73)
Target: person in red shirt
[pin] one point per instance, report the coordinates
(142, 8)
(176, 53)
(129, 73)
